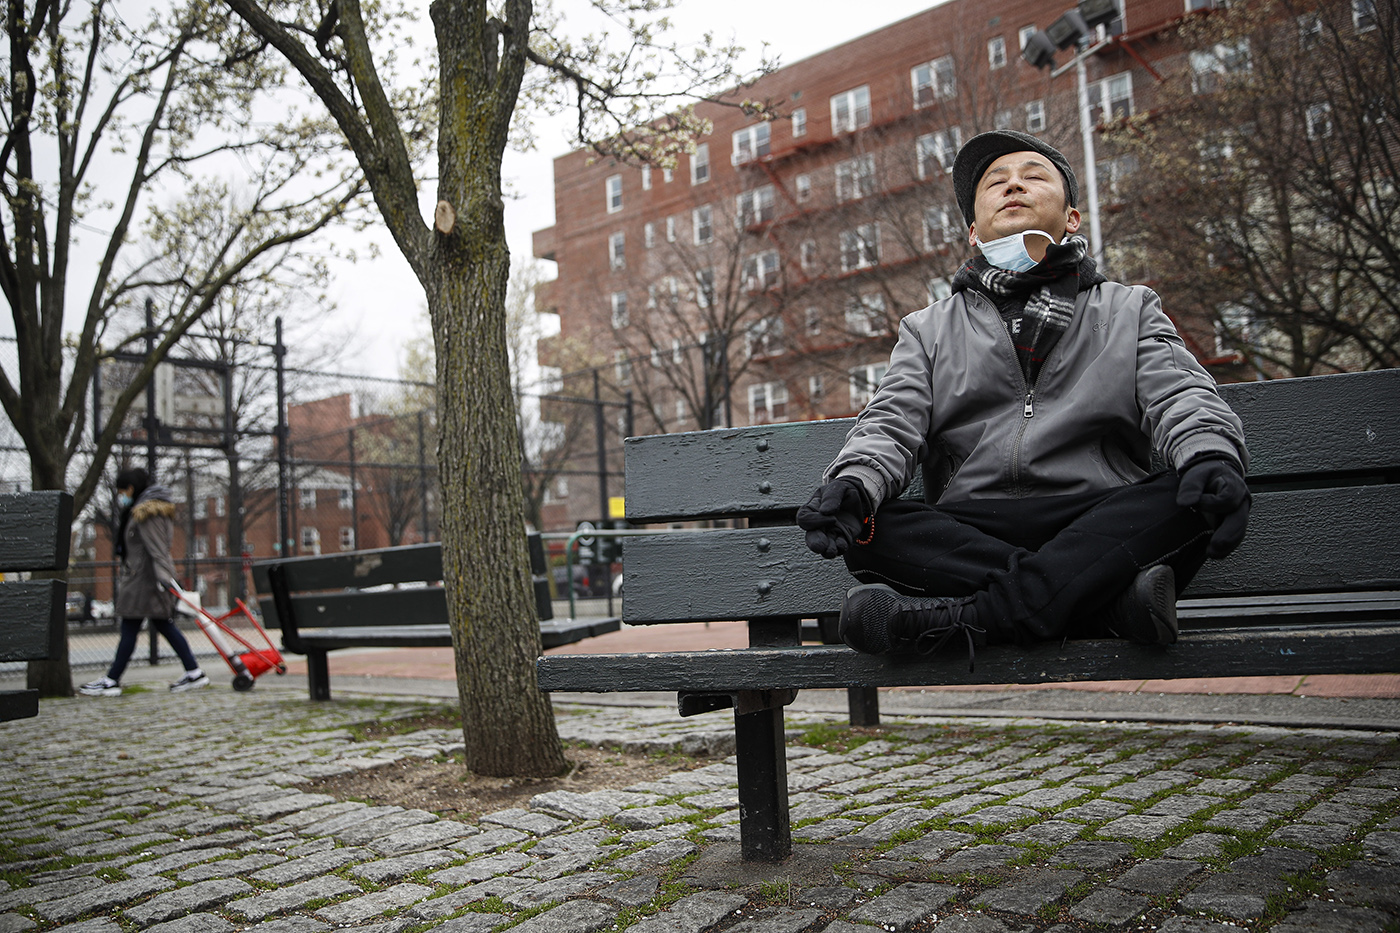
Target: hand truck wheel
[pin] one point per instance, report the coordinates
(243, 682)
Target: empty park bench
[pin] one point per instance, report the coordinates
(35, 532)
(1314, 588)
(384, 598)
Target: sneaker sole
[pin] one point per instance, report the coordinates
(109, 692)
(195, 685)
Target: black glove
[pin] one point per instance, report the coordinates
(834, 515)
(1217, 488)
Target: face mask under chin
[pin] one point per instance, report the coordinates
(1010, 253)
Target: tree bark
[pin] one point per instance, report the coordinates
(507, 721)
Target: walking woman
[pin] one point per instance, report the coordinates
(143, 589)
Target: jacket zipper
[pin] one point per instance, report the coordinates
(1028, 409)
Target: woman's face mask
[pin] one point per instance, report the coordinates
(1010, 253)
(123, 500)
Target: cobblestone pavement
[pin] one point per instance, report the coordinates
(160, 813)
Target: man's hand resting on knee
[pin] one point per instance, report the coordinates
(834, 516)
(1216, 487)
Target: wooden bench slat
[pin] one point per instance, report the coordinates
(1361, 649)
(28, 612)
(1352, 429)
(35, 530)
(1300, 541)
(18, 704)
(361, 569)
(417, 606)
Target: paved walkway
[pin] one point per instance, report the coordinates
(188, 813)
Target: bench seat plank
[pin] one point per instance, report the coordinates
(553, 633)
(1358, 649)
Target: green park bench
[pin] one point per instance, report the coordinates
(382, 598)
(1314, 588)
(35, 531)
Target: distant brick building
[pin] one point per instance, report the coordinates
(764, 277)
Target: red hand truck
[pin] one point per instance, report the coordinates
(250, 662)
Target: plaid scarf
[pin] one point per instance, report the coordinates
(1047, 290)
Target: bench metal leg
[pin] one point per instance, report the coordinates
(764, 830)
(318, 675)
(865, 705)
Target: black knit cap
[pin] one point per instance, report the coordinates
(985, 148)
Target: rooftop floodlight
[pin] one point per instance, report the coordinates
(1067, 30)
(1039, 50)
(1098, 12)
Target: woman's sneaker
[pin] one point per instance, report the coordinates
(102, 687)
(191, 680)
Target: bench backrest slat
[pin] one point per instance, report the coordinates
(1301, 541)
(29, 611)
(35, 530)
(1297, 430)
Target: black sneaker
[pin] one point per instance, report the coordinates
(1145, 613)
(876, 619)
(192, 680)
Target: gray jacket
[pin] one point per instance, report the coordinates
(1119, 384)
(147, 562)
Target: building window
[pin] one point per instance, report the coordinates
(864, 381)
(816, 388)
(750, 143)
(860, 248)
(1113, 173)
(306, 498)
(1208, 66)
(939, 229)
(619, 310)
(1234, 329)
(670, 229)
(201, 508)
(764, 337)
(677, 354)
(1363, 15)
(1035, 116)
(1023, 35)
(617, 250)
(557, 490)
(808, 254)
(813, 321)
(755, 206)
(936, 151)
(767, 402)
(996, 53)
(704, 287)
(614, 189)
(646, 177)
(938, 289)
(1003, 120)
(702, 224)
(865, 315)
(221, 545)
(667, 175)
(551, 379)
(850, 110)
(803, 184)
(799, 122)
(622, 367)
(761, 270)
(1309, 29)
(680, 408)
(855, 178)
(700, 164)
(1319, 118)
(1111, 98)
(1193, 6)
(347, 538)
(311, 540)
(220, 506)
(201, 546)
(934, 81)
(347, 499)
(649, 235)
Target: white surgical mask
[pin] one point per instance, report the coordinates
(1009, 252)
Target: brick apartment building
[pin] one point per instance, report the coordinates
(763, 278)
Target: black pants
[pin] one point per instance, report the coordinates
(126, 645)
(1039, 568)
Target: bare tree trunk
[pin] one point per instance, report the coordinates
(507, 721)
